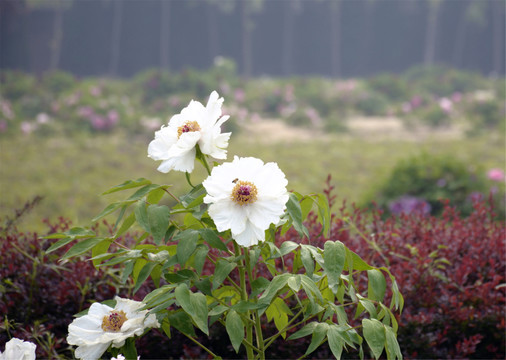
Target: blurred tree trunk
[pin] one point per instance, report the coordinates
(212, 25)
(287, 43)
(365, 44)
(335, 38)
(117, 19)
(56, 41)
(458, 48)
(498, 8)
(431, 33)
(164, 34)
(247, 29)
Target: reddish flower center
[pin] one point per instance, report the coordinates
(114, 321)
(244, 192)
(188, 126)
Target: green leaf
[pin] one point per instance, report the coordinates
(143, 191)
(200, 258)
(187, 243)
(279, 311)
(307, 260)
(83, 246)
(277, 283)
(287, 247)
(143, 275)
(319, 333)
(310, 288)
(356, 261)
(295, 212)
(109, 209)
(194, 197)
(336, 342)
(377, 285)
(182, 322)
(305, 331)
(141, 215)
(235, 329)
(334, 256)
(221, 271)
(392, 346)
(323, 213)
(68, 236)
(369, 306)
(127, 223)
(194, 305)
(99, 249)
(212, 239)
(129, 184)
(374, 334)
(158, 219)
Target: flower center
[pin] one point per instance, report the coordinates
(188, 126)
(244, 192)
(114, 321)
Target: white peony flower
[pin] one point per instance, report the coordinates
(105, 326)
(175, 144)
(246, 196)
(16, 349)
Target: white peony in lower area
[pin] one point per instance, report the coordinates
(104, 326)
(176, 144)
(246, 196)
(16, 349)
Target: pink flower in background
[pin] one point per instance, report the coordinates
(289, 95)
(42, 118)
(416, 102)
(239, 95)
(6, 108)
(313, 116)
(406, 108)
(113, 118)
(3, 126)
(27, 127)
(85, 111)
(446, 105)
(496, 174)
(96, 91)
(98, 122)
(457, 97)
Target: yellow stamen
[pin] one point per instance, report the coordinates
(188, 126)
(244, 192)
(114, 321)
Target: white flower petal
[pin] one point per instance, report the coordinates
(248, 219)
(91, 352)
(17, 349)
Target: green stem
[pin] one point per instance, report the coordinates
(202, 346)
(244, 296)
(188, 179)
(258, 324)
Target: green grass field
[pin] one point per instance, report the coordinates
(71, 173)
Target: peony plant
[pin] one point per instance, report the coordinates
(227, 225)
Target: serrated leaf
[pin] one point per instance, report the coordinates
(374, 334)
(235, 329)
(278, 311)
(194, 305)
